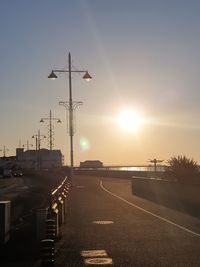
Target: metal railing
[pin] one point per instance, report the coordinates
(56, 213)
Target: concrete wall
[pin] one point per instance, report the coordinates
(182, 197)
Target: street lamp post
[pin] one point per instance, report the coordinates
(4, 151)
(38, 139)
(87, 77)
(50, 118)
(27, 145)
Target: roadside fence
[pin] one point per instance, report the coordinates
(50, 220)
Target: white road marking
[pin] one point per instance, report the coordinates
(96, 257)
(103, 222)
(149, 212)
(80, 186)
(93, 253)
(98, 261)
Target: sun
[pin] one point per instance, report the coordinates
(129, 121)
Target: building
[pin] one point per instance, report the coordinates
(91, 164)
(39, 159)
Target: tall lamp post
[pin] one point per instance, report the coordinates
(50, 126)
(87, 77)
(38, 138)
(27, 145)
(4, 151)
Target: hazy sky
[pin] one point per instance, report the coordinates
(144, 57)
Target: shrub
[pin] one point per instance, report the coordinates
(183, 169)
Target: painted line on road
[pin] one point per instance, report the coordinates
(96, 257)
(149, 212)
(98, 261)
(80, 186)
(103, 222)
(94, 253)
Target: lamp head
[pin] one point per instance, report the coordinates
(41, 120)
(59, 121)
(87, 76)
(52, 75)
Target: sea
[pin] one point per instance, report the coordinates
(136, 168)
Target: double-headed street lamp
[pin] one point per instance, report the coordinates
(71, 105)
(4, 151)
(27, 145)
(50, 127)
(38, 139)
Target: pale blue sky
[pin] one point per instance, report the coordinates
(143, 56)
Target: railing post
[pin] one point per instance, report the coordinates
(54, 217)
(5, 212)
(61, 210)
(47, 253)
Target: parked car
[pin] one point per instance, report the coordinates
(17, 173)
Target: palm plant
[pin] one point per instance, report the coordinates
(182, 168)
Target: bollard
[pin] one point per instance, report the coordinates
(47, 253)
(50, 229)
(61, 214)
(64, 197)
(5, 222)
(56, 217)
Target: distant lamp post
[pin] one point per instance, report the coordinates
(38, 138)
(27, 145)
(155, 161)
(4, 151)
(71, 105)
(50, 128)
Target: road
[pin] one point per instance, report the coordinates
(23, 194)
(107, 226)
(9, 185)
(26, 194)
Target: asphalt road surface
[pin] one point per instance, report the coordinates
(107, 226)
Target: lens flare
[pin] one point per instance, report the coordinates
(84, 144)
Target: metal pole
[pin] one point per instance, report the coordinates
(38, 165)
(36, 143)
(71, 119)
(70, 106)
(50, 131)
(38, 139)
(36, 149)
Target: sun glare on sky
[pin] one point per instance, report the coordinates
(129, 121)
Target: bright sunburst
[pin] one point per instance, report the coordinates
(129, 121)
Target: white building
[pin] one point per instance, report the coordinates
(91, 164)
(39, 159)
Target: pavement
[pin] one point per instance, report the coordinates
(107, 226)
